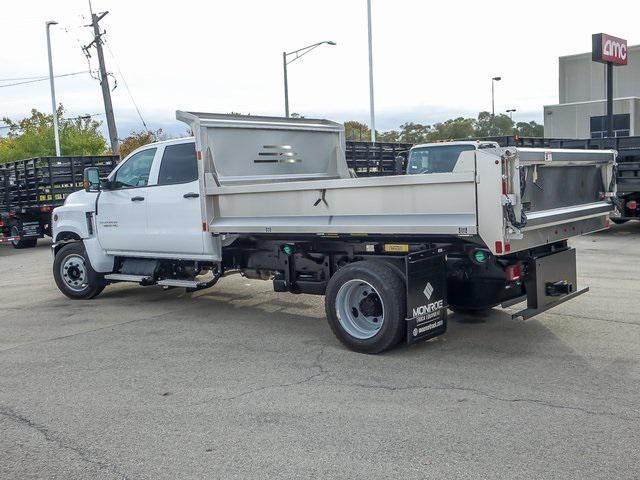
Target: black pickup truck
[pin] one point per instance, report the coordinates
(368, 159)
(30, 189)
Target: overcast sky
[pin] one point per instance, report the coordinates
(432, 60)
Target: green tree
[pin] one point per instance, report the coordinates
(411, 132)
(33, 136)
(529, 129)
(453, 129)
(489, 125)
(392, 136)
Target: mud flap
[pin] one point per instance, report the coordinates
(426, 295)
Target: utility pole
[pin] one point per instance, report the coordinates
(286, 85)
(104, 80)
(493, 95)
(54, 107)
(609, 100)
(371, 106)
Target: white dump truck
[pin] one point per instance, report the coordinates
(467, 227)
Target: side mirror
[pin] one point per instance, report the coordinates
(399, 165)
(91, 179)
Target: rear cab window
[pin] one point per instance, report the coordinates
(179, 164)
(435, 159)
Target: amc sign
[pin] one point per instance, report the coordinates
(608, 49)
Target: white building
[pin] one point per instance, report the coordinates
(583, 107)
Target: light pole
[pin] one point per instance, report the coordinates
(371, 106)
(493, 102)
(56, 135)
(510, 112)
(298, 53)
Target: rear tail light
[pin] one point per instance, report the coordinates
(513, 272)
(632, 204)
(1, 224)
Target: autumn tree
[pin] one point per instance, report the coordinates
(138, 139)
(357, 131)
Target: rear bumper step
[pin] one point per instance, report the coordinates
(532, 312)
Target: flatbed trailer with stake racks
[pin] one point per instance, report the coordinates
(30, 189)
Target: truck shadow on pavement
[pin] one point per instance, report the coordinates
(296, 319)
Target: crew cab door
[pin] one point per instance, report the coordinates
(174, 219)
(122, 209)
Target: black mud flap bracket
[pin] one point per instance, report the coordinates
(551, 280)
(426, 276)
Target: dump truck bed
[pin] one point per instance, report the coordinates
(289, 176)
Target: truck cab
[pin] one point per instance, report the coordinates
(148, 207)
(442, 157)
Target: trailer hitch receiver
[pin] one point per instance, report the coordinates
(558, 289)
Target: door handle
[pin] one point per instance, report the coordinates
(191, 195)
(137, 199)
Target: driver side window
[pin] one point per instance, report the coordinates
(135, 172)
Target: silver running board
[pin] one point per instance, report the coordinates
(172, 282)
(121, 277)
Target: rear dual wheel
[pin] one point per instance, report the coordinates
(365, 304)
(26, 243)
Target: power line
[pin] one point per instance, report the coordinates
(87, 115)
(43, 79)
(22, 78)
(124, 80)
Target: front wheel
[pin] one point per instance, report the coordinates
(365, 304)
(74, 275)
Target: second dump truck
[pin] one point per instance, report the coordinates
(473, 225)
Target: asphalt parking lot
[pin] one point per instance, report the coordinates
(240, 382)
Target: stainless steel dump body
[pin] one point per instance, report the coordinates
(289, 176)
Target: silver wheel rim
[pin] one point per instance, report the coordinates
(14, 233)
(360, 309)
(73, 272)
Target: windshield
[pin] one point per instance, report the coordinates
(437, 159)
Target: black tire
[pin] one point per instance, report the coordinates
(76, 263)
(619, 221)
(26, 243)
(390, 290)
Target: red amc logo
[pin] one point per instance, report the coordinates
(606, 48)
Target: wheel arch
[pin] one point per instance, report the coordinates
(64, 237)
